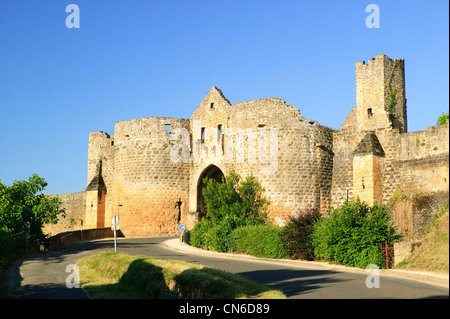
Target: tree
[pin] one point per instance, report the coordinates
(297, 232)
(23, 202)
(230, 204)
(353, 234)
(442, 119)
(239, 202)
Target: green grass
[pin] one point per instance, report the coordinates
(118, 275)
(431, 253)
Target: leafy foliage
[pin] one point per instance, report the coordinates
(442, 119)
(24, 202)
(235, 201)
(353, 234)
(230, 204)
(296, 236)
(199, 234)
(7, 247)
(258, 240)
(392, 97)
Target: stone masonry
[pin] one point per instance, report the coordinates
(142, 170)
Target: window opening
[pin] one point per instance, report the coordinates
(203, 135)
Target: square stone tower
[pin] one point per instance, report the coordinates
(380, 94)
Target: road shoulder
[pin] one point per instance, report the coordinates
(433, 278)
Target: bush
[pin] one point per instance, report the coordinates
(187, 237)
(7, 247)
(296, 235)
(258, 240)
(353, 234)
(199, 234)
(240, 202)
(442, 119)
(23, 202)
(206, 235)
(218, 237)
(230, 204)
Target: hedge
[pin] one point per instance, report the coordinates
(258, 240)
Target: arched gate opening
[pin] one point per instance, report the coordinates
(211, 171)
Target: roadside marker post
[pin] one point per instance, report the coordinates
(115, 221)
(26, 228)
(182, 228)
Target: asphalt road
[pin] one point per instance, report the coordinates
(43, 275)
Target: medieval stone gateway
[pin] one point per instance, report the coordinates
(300, 163)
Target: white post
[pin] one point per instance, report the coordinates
(115, 239)
(115, 220)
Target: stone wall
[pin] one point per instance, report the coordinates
(78, 235)
(147, 182)
(412, 162)
(372, 93)
(271, 140)
(424, 160)
(74, 204)
(149, 164)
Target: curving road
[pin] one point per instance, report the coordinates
(43, 275)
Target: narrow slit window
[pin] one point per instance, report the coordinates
(212, 106)
(203, 135)
(369, 112)
(219, 131)
(149, 134)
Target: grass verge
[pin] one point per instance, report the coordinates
(118, 275)
(431, 253)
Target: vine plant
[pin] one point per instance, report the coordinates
(392, 97)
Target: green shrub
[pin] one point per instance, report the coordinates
(187, 237)
(23, 202)
(230, 204)
(7, 247)
(7, 243)
(199, 234)
(353, 234)
(442, 119)
(206, 235)
(258, 240)
(296, 235)
(239, 202)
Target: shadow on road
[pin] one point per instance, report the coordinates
(293, 282)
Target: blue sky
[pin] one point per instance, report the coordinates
(140, 58)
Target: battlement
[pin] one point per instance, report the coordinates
(147, 128)
(374, 62)
(133, 172)
(380, 94)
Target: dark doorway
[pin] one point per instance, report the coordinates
(211, 171)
